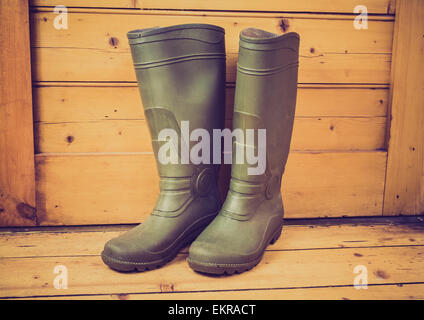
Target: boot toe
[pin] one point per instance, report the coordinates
(129, 251)
(118, 250)
(212, 253)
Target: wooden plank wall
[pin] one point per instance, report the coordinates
(404, 192)
(17, 180)
(94, 163)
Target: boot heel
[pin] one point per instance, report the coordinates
(276, 235)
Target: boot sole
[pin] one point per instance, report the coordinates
(132, 266)
(128, 266)
(232, 268)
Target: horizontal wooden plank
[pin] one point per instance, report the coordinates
(85, 3)
(332, 51)
(63, 64)
(340, 134)
(373, 6)
(90, 188)
(67, 243)
(374, 292)
(133, 135)
(75, 103)
(334, 184)
(278, 269)
(321, 34)
(102, 84)
(95, 189)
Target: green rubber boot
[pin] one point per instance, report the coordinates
(181, 75)
(252, 214)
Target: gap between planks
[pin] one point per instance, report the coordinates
(135, 153)
(387, 291)
(305, 6)
(228, 84)
(210, 13)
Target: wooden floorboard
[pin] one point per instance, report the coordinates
(380, 292)
(310, 261)
(61, 243)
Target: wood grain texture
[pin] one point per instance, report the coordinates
(96, 188)
(85, 3)
(74, 103)
(68, 243)
(404, 192)
(332, 51)
(331, 6)
(278, 269)
(373, 292)
(17, 180)
(330, 134)
(87, 102)
(322, 33)
(317, 266)
(65, 64)
(111, 119)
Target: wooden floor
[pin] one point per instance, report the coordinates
(312, 260)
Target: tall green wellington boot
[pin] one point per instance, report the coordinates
(252, 214)
(181, 75)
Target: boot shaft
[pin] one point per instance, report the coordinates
(265, 100)
(265, 97)
(180, 72)
(181, 76)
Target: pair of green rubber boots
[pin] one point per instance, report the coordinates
(181, 75)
